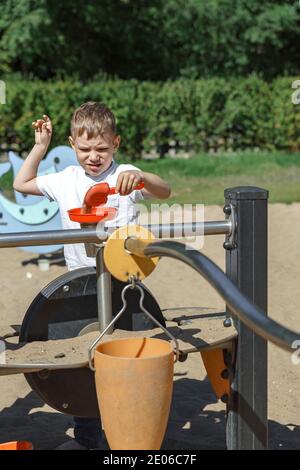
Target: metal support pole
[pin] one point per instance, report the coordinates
(104, 299)
(93, 235)
(246, 266)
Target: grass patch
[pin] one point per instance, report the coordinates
(203, 178)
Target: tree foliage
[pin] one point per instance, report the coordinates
(149, 39)
(188, 115)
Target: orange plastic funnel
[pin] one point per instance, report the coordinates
(16, 445)
(98, 193)
(96, 214)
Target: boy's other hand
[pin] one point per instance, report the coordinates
(128, 180)
(43, 131)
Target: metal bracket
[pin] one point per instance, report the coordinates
(230, 214)
(133, 285)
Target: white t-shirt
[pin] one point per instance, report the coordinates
(68, 188)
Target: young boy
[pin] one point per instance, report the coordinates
(95, 140)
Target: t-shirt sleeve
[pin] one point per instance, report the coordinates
(50, 185)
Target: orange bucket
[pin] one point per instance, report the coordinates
(16, 445)
(134, 382)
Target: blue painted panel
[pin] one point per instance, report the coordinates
(56, 160)
(34, 213)
(9, 224)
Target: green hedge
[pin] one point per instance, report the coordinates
(193, 115)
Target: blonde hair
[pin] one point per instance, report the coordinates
(94, 118)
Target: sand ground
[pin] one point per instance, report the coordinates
(197, 419)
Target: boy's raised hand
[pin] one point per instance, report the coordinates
(128, 180)
(43, 130)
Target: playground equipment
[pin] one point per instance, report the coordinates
(66, 317)
(30, 212)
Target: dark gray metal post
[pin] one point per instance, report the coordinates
(246, 266)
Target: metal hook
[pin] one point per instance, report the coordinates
(132, 285)
(133, 280)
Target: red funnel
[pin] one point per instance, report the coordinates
(98, 193)
(96, 214)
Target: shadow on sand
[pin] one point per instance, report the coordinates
(190, 427)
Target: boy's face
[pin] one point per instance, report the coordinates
(95, 154)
